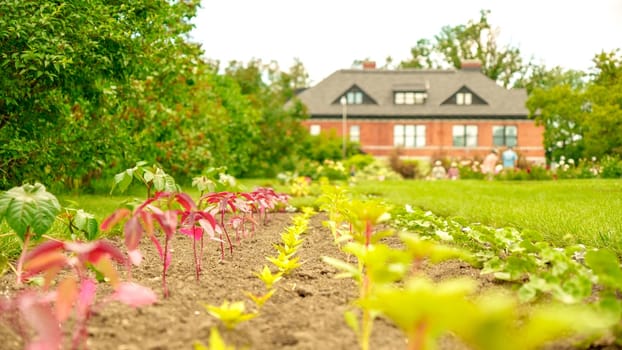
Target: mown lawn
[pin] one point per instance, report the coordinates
(565, 212)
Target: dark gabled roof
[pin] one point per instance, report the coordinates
(439, 84)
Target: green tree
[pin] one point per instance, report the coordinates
(603, 117)
(68, 69)
(476, 40)
(558, 109)
(272, 93)
(582, 115)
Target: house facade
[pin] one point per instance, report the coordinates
(427, 114)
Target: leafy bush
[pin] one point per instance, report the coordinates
(407, 168)
(471, 172)
(359, 161)
(611, 168)
(378, 170)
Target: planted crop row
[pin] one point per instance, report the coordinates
(568, 274)
(232, 313)
(392, 284)
(39, 315)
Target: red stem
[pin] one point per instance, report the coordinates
(368, 231)
(197, 266)
(22, 256)
(164, 287)
(224, 228)
(416, 340)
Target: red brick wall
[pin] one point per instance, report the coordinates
(377, 137)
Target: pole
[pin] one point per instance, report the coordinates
(344, 118)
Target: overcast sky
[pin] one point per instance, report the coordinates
(327, 35)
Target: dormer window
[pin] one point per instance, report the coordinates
(409, 97)
(464, 98)
(354, 97)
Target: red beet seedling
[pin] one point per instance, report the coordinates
(45, 311)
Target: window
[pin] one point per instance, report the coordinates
(409, 135)
(464, 135)
(504, 135)
(354, 97)
(409, 97)
(464, 98)
(355, 133)
(315, 129)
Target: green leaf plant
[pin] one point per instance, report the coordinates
(153, 177)
(30, 211)
(425, 310)
(79, 221)
(378, 264)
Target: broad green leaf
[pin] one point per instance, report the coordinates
(86, 223)
(148, 176)
(169, 184)
(122, 180)
(422, 302)
(29, 206)
(605, 265)
(348, 270)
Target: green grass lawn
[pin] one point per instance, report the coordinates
(565, 212)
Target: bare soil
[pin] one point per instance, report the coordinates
(305, 313)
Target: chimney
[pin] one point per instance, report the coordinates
(471, 65)
(369, 64)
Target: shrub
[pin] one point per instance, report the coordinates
(359, 161)
(611, 167)
(407, 168)
(470, 172)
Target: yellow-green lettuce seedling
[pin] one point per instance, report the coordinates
(260, 300)
(230, 313)
(215, 342)
(267, 277)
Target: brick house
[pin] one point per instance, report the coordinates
(428, 114)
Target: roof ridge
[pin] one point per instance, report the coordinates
(398, 71)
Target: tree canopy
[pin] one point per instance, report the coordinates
(91, 87)
(476, 40)
(582, 114)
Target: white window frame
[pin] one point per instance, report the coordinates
(409, 97)
(507, 135)
(354, 97)
(409, 135)
(315, 129)
(468, 133)
(355, 133)
(464, 98)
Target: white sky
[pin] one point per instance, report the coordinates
(327, 35)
